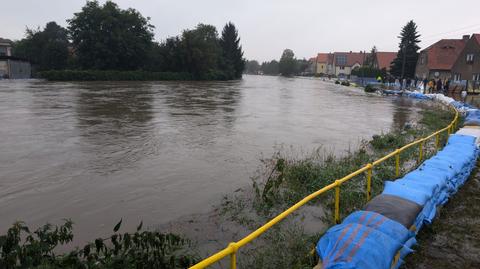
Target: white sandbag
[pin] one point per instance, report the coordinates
(475, 132)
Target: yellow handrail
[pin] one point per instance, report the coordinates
(233, 247)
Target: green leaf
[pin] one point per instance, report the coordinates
(140, 226)
(115, 229)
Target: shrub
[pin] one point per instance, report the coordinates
(20, 248)
(337, 82)
(370, 88)
(345, 83)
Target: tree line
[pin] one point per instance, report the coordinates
(288, 65)
(105, 37)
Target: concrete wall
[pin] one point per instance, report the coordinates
(15, 69)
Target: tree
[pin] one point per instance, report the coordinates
(47, 48)
(252, 67)
(287, 64)
(270, 68)
(371, 58)
(107, 37)
(201, 52)
(406, 61)
(232, 51)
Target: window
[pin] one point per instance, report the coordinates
(470, 58)
(342, 67)
(476, 77)
(341, 59)
(422, 59)
(3, 51)
(457, 77)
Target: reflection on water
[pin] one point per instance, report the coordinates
(154, 151)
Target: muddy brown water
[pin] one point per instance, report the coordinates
(96, 152)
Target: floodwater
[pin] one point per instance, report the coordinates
(155, 151)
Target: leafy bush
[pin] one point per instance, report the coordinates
(20, 248)
(337, 82)
(345, 83)
(100, 75)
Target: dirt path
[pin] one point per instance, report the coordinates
(453, 240)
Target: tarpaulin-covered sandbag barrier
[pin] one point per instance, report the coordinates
(382, 234)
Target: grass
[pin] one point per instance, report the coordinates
(284, 180)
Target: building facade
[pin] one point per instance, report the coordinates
(467, 65)
(437, 60)
(12, 67)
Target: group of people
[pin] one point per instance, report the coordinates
(427, 86)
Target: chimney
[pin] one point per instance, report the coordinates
(466, 37)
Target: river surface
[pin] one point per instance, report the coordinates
(96, 152)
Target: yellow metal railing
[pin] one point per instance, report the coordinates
(232, 248)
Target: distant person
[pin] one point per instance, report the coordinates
(430, 86)
(379, 79)
(464, 95)
(446, 87)
(439, 85)
(425, 85)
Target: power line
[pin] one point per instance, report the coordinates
(452, 31)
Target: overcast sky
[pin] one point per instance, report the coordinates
(267, 27)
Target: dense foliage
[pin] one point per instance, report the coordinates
(407, 56)
(106, 37)
(270, 68)
(47, 48)
(369, 72)
(21, 248)
(252, 67)
(287, 65)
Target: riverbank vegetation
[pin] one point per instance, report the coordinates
(286, 178)
(107, 38)
(22, 248)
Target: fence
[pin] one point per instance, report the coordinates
(232, 249)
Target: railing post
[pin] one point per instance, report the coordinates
(420, 152)
(233, 256)
(397, 163)
(437, 141)
(369, 181)
(337, 202)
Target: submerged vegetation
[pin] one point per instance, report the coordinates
(284, 180)
(21, 248)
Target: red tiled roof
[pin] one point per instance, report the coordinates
(322, 58)
(385, 59)
(477, 37)
(352, 57)
(443, 54)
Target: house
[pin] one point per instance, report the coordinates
(5, 47)
(437, 60)
(345, 62)
(10, 66)
(467, 65)
(384, 60)
(322, 63)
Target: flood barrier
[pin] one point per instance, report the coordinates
(382, 234)
(374, 221)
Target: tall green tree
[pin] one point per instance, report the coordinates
(107, 37)
(47, 48)
(201, 52)
(287, 65)
(371, 58)
(232, 51)
(407, 56)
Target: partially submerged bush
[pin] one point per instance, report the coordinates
(21, 248)
(370, 88)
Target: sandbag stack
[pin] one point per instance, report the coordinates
(382, 234)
